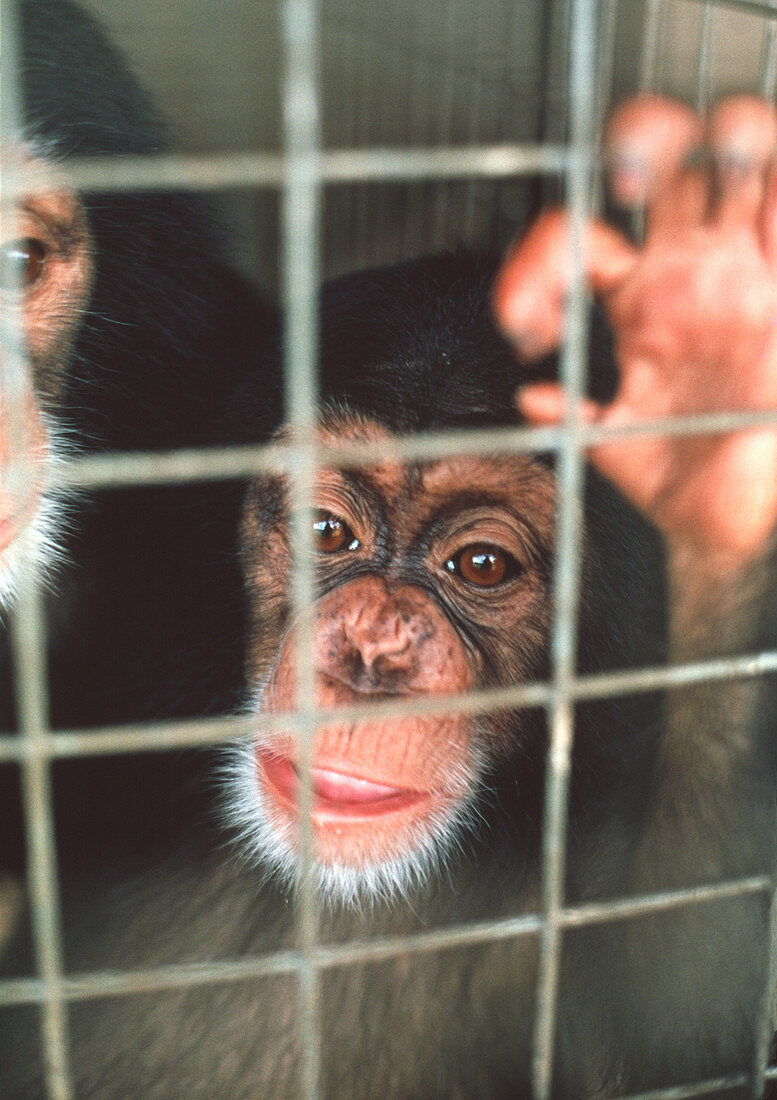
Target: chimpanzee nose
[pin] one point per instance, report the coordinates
(375, 636)
(382, 628)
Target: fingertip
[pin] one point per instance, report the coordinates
(525, 316)
(528, 292)
(742, 137)
(540, 403)
(647, 142)
(742, 129)
(545, 403)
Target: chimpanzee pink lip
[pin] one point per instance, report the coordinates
(335, 794)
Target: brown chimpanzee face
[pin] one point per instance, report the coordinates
(433, 580)
(45, 281)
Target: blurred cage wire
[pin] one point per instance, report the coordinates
(370, 133)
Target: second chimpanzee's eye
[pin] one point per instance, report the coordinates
(21, 263)
(483, 564)
(331, 534)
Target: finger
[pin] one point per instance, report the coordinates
(767, 224)
(532, 286)
(636, 466)
(529, 291)
(742, 137)
(647, 145)
(545, 403)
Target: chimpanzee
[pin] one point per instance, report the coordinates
(435, 577)
(136, 329)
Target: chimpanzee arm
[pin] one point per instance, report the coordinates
(694, 311)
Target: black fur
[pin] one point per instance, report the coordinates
(643, 1002)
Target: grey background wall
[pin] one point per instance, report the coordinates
(408, 73)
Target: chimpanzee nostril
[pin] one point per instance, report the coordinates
(384, 633)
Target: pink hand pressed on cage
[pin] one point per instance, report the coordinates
(694, 311)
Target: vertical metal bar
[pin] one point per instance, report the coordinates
(475, 111)
(15, 478)
(28, 632)
(413, 222)
(469, 218)
(582, 113)
(365, 112)
(442, 191)
(28, 641)
(649, 59)
(769, 56)
(608, 23)
(765, 1030)
(300, 268)
(706, 57)
(556, 129)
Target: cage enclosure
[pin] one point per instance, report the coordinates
(309, 141)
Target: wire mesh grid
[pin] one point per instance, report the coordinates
(301, 172)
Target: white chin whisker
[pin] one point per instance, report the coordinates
(267, 843)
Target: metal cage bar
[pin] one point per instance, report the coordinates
(301, 173)
(301, 231)
(42, 882)
(94, 984)
(29, 652)
(566, 582)
(769, 59)
(706, 56)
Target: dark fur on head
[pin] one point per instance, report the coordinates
(165, 310)
(417, 343)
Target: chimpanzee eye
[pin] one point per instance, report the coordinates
(483, 564)
(21, 263)
(331, 534)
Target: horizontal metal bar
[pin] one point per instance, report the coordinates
(698, 1088)
(139, 737)
(623, 908)
(159, 736)
(752, 7)
(270, 170)
(87, 986)
(187, 465)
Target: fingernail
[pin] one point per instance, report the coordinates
(629, 178)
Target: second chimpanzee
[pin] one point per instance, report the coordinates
(135, 329)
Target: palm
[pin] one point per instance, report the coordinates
(696, 332)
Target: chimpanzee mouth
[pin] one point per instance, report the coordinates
(336, 795)
(372, 838)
